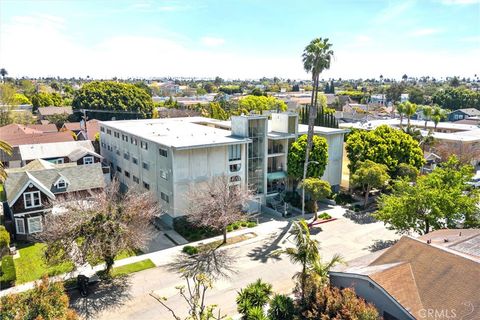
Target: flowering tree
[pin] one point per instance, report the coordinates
(217, 204)
(99, 227)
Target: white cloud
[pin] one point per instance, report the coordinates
(424, 32)
(393, 12)
(460, 2)
(212, 41)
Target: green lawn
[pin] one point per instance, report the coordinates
(31, 265)
(133, 267)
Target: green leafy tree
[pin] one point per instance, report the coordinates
(394, 92)
(457, 98)
(401, 112)
(258, 104)
(47, 300)
(410, 110)
(318, 189)
(110, 95)
(369, 175)
(384, 145)
(4, 241)
(407, 171)
(438, 115)
(42, 99)
(20, 98)
(281, 307)
(318, 157)
(416, 95)
(437, 200)
(253, 296)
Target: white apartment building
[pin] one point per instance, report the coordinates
(169, 156)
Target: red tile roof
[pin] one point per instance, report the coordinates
(15, 135)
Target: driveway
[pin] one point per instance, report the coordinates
(129, 298)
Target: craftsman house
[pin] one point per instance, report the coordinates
(31, 190)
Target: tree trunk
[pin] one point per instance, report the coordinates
(311, 119)
(109, 266)
(315, 208)
(367, 192)
(427, 226)
(225, 235)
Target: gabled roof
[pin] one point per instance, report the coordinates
(81, 152)
(78, 177)
(43, 127)
(52, 150)
(472, 112)
(16, 134)
(442, 278)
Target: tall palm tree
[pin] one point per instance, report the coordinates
(306, 252)
(410, 109)
(427, 114)
(5, 148)
(320, 269)
(316, 58)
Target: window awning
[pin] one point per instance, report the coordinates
(276, 175)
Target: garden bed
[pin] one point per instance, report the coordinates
(191, 250)
(193, 233)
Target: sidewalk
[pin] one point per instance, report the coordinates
(166, 256)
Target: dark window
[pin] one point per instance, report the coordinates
(102, 129)
(133, 140)
(163, 152)
(146, 185)
(126, 156)
(164, 197)
(109, 131)
(234, 152)
(135, 179)
(119, 169)
(127, 174)
(145, 165)
(144, 145)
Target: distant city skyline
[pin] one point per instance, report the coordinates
(238, 39)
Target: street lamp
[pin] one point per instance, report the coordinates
(303, 188)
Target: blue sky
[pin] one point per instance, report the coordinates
(238, 38)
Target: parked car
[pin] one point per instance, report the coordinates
(475, 182)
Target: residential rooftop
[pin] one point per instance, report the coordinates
(52, 150)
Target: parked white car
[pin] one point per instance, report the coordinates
(475, 182)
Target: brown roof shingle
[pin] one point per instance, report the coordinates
(15, 135)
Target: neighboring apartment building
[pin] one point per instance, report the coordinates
(31, 189)
(167, 156)
(433, 277)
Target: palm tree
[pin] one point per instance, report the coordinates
(306, 252)
(3, 72)
(321, 269)
(427, 114)
(316, 58)
(401, 111)
(410, 109)
(5, 148)
(437, 115)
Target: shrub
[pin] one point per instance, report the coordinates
(8, 277)
(281, 308)
(4, 240)
(190, 250)
(229, 228)
(192, 232)
(236, 226)
(256, 294)
(244, 224)
(343, 198)
(310, 206)
(325, 216)
(293, 198)
(256, 313)
(251, 224)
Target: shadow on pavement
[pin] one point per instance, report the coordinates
(360, 217)
(380, 245)
(103, 296)
(264, 252)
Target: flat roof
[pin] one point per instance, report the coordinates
(372, 124)
(178, 133)
(303, 129)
